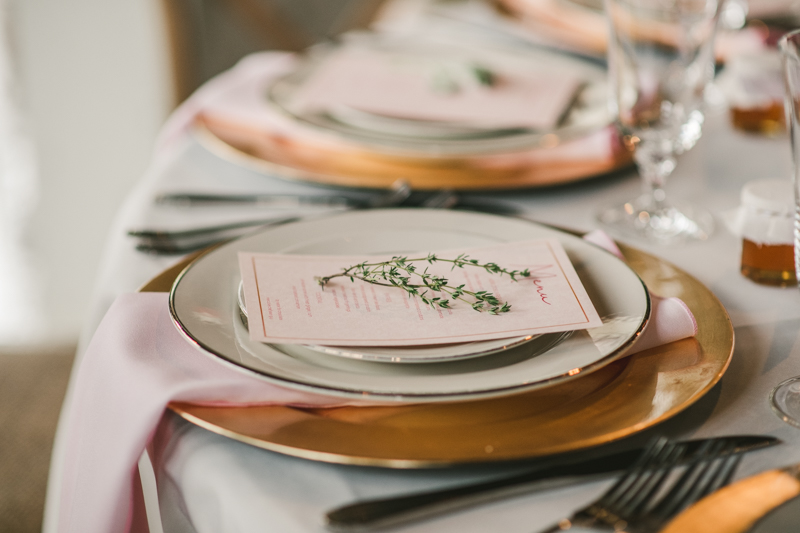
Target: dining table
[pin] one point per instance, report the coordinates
(205, 481)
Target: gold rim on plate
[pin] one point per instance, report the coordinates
(617, 401)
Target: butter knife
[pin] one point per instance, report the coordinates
(367, 515)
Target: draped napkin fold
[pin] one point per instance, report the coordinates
(138, 362)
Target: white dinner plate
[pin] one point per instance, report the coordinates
(204, 306)
(434, 353)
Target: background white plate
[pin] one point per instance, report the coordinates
(204, 306)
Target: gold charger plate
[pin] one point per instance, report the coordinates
(354, 166)
(614, 402)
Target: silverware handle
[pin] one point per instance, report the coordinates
(173, 248)
(208, 230)
(369, 514)
(184, 241)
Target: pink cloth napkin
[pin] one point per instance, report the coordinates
(254, 71)
(135, 365)
(670, 317)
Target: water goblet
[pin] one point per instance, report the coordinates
(660, 60)
(785, 398)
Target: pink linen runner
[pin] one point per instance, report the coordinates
(138, 362)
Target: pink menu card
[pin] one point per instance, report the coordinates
(411, 87)
(285, 304)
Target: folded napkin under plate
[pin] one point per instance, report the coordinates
(137, 363)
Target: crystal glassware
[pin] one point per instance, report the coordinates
(660, 60)
(785, 398)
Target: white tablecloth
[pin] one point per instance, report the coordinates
(212, 484)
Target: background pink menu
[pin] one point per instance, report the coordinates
(394, 86)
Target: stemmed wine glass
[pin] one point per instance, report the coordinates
(661, 60)
(785, 398)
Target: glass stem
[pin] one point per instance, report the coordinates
(654, 167)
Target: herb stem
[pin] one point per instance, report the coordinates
(399, 271)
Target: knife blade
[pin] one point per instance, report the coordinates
(737, 507)
(287, 201)
(370, 514)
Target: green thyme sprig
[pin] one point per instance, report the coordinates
(401, 272)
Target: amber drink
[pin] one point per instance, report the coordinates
(753, 85)
(765, 222)
(769, 264)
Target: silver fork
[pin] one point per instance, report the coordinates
(705, 474)
(647, 496)
(444, 199)
(167, 242)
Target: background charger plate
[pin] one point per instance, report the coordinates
(296, 159)
(204, 306)
(622, 399)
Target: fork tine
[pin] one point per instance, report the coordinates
(605, 509)
(683, 487)
(726, 473)
(645, 482)
(707, 473)
(723, 470)
(651, 457)
(639, 499)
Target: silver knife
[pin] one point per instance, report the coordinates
(367, 515)
(287, 201)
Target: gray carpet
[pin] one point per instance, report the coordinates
(32, 386)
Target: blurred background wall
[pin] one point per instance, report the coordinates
(85, 86)
(94, 80)
(93, 85)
